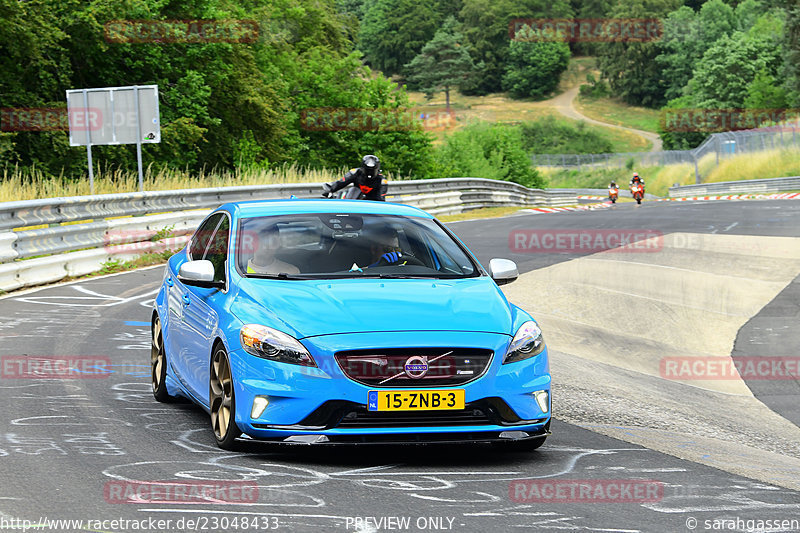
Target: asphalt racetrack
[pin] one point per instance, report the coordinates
(661, 449)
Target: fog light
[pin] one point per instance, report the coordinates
(543, 399)
(259, 404)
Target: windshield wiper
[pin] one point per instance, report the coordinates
(282, 275)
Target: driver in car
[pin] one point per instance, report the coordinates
(264, 260)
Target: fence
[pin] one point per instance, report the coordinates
(718, 145)
(769, 185)
(78, 235)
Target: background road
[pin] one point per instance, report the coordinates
(63, 441)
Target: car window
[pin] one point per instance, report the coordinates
(199, 241)
(349, 245)
(217, 251)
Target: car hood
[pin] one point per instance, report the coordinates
(323, 307)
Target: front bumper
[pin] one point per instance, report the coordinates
(322, 401)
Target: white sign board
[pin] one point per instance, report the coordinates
(113, 115)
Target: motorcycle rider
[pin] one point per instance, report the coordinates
(367, 177)
(637, 179)
(613, 191)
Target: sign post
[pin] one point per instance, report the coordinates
(114, 115)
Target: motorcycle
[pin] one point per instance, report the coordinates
(348, 193)
(637, 191)
(613, 194)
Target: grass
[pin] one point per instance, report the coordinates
(484, 212)
(772, 164)
(621, 140)
(615, 112)
(115, 265)
(499, 108)
(18, 185)
(657, 179)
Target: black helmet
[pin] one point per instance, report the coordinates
(371, 165)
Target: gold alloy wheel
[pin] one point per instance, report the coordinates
(221, 394)
(157, 357)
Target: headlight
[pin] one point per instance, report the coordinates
(528, 342)
(272, 344)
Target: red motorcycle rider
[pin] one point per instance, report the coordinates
(637, 188)
(367, 178)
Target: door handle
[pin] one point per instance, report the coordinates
(186, 300)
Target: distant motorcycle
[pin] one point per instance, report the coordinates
(613, 194)
(637, 191)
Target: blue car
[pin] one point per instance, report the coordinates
(341, 321)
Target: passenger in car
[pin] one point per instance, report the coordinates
(265, 260)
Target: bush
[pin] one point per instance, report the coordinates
(595, 89)
(551, 135)
(484, 150)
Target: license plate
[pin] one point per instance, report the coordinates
(415, 400)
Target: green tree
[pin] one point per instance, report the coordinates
(722, 77)
(486, 27)
(534, 67)
(394, 31)
(791, 44)
(630, 67)
(443, 63)
(765, 92)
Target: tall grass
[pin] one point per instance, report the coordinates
(770, 164)
(32, 184)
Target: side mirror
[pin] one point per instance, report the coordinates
(199, 274)
(503, 271)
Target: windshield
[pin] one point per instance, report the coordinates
(324, 245)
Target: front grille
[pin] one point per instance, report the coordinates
(414, 367)
(361, 419)
(351, 415)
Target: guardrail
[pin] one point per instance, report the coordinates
(83, 233)
(767, 185)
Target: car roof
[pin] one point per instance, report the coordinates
(257, 208)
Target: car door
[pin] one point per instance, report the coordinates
(175, 335)
(201, 316)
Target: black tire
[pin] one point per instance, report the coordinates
(222, 400)
(638, 200)
(158, 363)
(613, 200)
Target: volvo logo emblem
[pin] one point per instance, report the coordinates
(416, 367)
